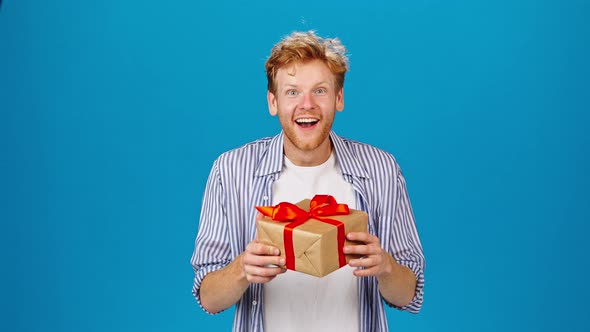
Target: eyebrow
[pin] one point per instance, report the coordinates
(295, 85)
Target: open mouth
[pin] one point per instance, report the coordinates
(306, 122)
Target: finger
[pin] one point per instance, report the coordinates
(362, 237)
(260, 279)
(366, 250)
(262, 271)
(365, 261)
(257, 248)
(259, 260)
(358, 249)
(257, 279)
(258, 271)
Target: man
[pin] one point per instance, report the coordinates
(305, 89)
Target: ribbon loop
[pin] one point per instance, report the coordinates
(284, 211)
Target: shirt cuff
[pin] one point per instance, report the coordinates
(416, 304)
(200, 274)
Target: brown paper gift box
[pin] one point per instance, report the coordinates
(315, 242)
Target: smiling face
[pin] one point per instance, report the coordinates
(306, 101)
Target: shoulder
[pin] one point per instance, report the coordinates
(245, 156)
(371, 158)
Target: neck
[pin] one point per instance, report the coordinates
(313, 157)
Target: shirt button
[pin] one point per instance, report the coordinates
(254, 302)
(265, 198)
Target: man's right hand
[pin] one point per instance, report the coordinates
(261, 263)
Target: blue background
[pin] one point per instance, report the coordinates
(112, 112)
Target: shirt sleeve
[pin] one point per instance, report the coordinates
(406, 248)
(212, 250)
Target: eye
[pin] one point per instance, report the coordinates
(321, 91)
(291, 93)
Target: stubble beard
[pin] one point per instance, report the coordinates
(306, 144)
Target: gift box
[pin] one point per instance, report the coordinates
(311, 234)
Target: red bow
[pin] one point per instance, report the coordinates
(320, 206)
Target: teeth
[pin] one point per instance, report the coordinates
(306, 120)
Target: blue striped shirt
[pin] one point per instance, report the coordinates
(242, 178)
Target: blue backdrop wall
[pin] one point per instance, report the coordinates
(112, 112)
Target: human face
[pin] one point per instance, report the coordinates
(306, 101)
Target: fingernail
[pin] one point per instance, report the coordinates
(346, 250)
(282, 261)
(276, 251)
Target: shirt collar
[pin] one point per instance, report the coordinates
(272, 161)
(346, 158)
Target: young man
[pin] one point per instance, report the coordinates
(305, 89)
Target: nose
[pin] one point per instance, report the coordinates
(307, 102)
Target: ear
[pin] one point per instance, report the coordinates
(340, 100)
(272, 103)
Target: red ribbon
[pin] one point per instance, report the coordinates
(320, 206)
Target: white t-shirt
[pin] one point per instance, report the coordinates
(295, 301)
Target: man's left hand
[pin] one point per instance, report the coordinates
(397, 283)
(374, 260)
